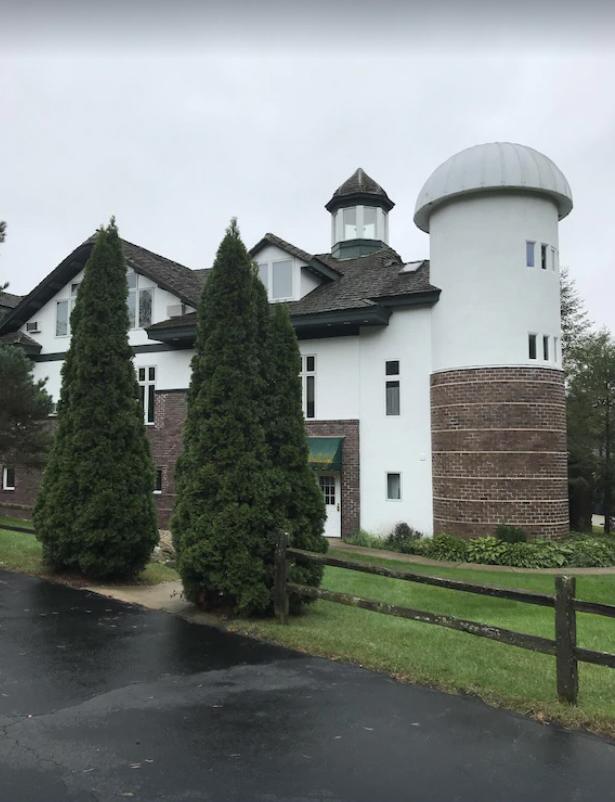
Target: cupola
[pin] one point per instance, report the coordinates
(359, 217)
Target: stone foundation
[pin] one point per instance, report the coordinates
(499, 451)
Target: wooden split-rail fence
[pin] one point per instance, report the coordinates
(566, 606)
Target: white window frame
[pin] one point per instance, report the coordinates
(146, 383)
(136, 291)
(70, 304)
(382, 223)
(392, 378)
(386, 485)
(555, 345)
(6, 485)
(305, 374)
(267, 268)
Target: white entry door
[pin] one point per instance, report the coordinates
(330, 486)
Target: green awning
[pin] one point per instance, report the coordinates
(325, 453)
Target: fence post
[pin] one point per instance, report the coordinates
(566, 639)
(280, 599)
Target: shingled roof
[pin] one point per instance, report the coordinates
(359, 187)
(375, 277)
(8, 300)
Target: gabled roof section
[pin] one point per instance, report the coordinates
(313, 263)
(8, 300)
(29, 345)
(172, 276)
(375, 278)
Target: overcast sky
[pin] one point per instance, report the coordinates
(176, 124)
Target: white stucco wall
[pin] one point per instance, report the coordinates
(337, 376)
(172, 367)
(396, 444)
(490, 299)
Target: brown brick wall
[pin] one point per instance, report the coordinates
(351, 492)
(166, 442)
(499, 451)
(18, 503)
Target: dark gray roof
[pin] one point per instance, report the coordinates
(375, 280)
(359, 187)
(359, 181)
(169, 275)
(272, 239)
(8, 300)
(365, 281)
(20, 338)
(172, 276)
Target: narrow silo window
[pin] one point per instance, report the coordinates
(532, 346)
(543, 256)
(529, 254)
(545, 348)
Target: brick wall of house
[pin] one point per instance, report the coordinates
(351, 491)
(499, 451)
(18, 503)
(166, 443)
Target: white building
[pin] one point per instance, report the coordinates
(433, 389)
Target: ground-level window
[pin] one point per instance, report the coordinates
(308, 381)
(532, 346)
(147, 387)
(393, 486)
(392, 387)
(8, 478)
(158, 485)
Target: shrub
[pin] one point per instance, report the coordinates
(401, 534)
(510, 534)
(365, 540)
(446, 547)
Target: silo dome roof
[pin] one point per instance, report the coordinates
(490, 167)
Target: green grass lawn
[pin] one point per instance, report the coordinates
(16, 522)
(502, 675)
(22, 552)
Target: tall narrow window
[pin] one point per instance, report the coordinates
(147, 387)
(350, 222)
(544, 249)
(308, 380)
(64, 310)
(532, 345)
(553, 259)
(529, 254)
(158, 485)
(393, 486)
(392, 388)
(282, 279)
(369, 222)
(8, 478)
(555, 345)
(140, 301)
(545, 348)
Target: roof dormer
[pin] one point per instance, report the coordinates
(359, 217)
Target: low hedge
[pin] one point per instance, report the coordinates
(579, 551)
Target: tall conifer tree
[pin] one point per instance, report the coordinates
(224, 525)
(95, 511)
(298, 499)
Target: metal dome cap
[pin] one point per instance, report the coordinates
(488, 168)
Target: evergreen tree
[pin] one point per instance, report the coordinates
(95, 511)
(298, 498)
(25, 405)
(224, 527)
(575, 323)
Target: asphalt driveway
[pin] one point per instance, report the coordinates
(101, 700)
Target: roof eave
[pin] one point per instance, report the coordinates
(426, 298)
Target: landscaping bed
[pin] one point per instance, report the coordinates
(510, 548)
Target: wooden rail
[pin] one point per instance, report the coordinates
(565, 605)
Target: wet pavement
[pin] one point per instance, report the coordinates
(102, 700)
